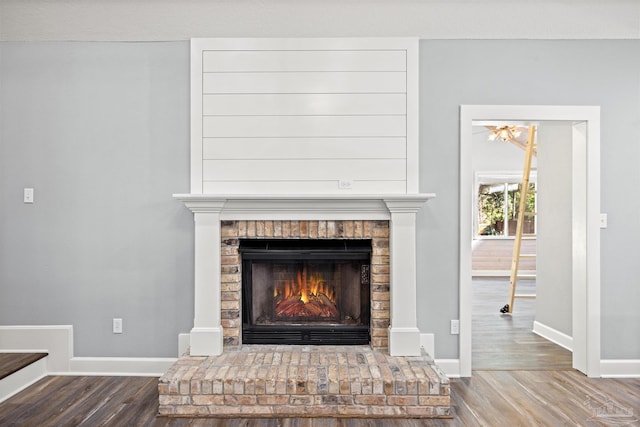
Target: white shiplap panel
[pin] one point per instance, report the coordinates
(304, 170)
(303, 148)
(303, 126)
(303, 187)
(304, 104)
(311, 82)
(297, 60)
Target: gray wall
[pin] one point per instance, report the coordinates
(101, 131)
(604, 73)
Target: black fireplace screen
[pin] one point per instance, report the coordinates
(305, 291)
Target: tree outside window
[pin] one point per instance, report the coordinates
(498, 206)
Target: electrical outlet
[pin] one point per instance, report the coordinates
(455, 327)
(117, 326)
(28, 195)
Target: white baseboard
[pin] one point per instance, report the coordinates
(553, 335)
(184, 341)
(451, 367)
(57, 340)
(119, 366)
(427, 342)
(620, 368)
(22, 379)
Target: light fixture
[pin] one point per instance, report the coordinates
(504, 133)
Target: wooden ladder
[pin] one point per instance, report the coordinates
(530, 151)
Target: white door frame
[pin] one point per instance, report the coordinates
(585, 228)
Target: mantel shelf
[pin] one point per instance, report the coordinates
(304, 206)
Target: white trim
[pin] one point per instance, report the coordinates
(57, 340)
(404, 341)
(451, 367)
(620, 368)
(427, 342)
(553, 335)
(196, 116)
(413, 114)
(303, 206)
(586, 231)
(184, 341)
(22, 379)
(119, 366)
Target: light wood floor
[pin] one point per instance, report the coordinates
(506, 341)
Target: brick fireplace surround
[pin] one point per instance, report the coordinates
(230, 287)
(221, 377)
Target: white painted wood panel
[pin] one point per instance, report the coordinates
(301, 60)
(304, 104)
(307, 82)
(303, 148)
(301, 115)
(304, 170)
(303, 126)
(303, 187)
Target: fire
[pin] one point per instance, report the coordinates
(307, 287)
(306, 295)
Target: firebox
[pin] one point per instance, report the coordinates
(302, 291)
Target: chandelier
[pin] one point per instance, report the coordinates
(504, 133)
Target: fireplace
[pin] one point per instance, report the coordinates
(304, 291)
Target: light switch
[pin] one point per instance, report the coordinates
(604, 220)
(28, 195)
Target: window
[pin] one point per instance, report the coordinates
(497, 205)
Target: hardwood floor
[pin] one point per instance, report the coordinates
(519, 379)
(12, 362)
(489, 398)
(506, 341)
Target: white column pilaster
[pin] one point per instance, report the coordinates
(206, 338)
(404, 335)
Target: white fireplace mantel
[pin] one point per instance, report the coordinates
(399, 209)
(304, 207)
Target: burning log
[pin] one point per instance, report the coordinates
(317, 306)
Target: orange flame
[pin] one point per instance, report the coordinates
(306, 287)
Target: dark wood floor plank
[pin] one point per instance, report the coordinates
(13, 362)
(33, 404)
(489, 398)
(126, 405)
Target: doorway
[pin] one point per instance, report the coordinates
(510, 339)
(584, 223)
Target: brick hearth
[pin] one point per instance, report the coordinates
(305, 381)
